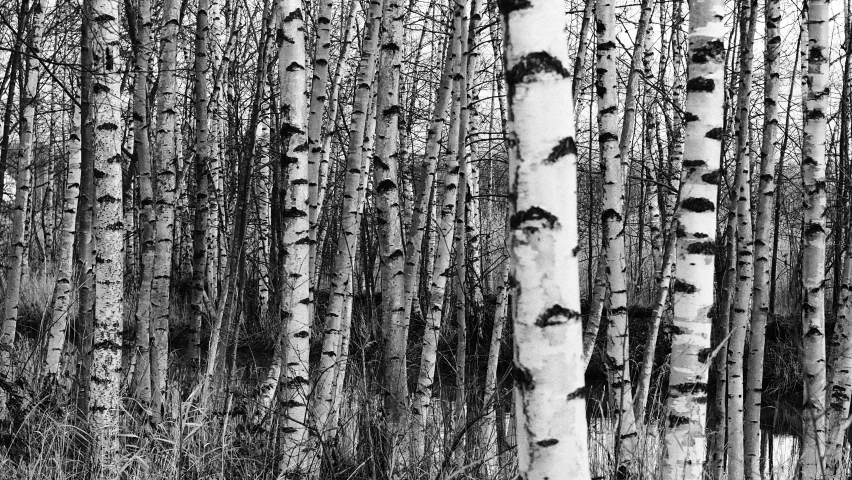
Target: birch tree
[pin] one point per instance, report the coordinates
(547, 327)
(166, 158)
(692, 292)
(64, 277)
(106, 107)
(294, 301)
(15, 268)
(815, 89)
(762, 241)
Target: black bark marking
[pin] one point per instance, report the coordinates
(712, 51)
(698, 205)
(531, 65)
(522, 377)
(715, 133)
(533, 214)
(712, 178)
(579, 393)
(554, 316)
(508, 6)
(547, 443)
(702, 248)
(701, 84)
(683, 287)
(565, 147)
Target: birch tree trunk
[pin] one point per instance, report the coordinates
(15, 265)
(140, 370)
(745, 249)
(344, 258)
(816, 91)
(488, 427)
(166, 156)
(65, 264)
(423, 190)
(841, 377)
(322, 51)
(614, 166)
(106, 108)
(692, 292)
(763, 241)
(294, 301)
(202, 175)
(543, 245)
(386, 198)
(441, 270)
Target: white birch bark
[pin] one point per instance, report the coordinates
(202, 175)
(322, 54)
(294, 302)
(140, 360)
(16, 264)
(106, 108)
(692, 292)
(763, 241)
(391, 252)
(745, 250)
(441, 270)
(344, 258)
(815, 88)
(65, 267)
(613, 166)
(166, 158)
(548, 371)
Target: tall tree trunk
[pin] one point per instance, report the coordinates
(423, 190)
(106, 108)
(344, 259)
(386, 198)
(815, 87)
(294, 301)
(65, 264)
(441, 271)
(741, 196)
(762, 241)
(692, 292)
(488, 426)
(202, 197)
(86, 246)
(15, 268)
(544, 242)
(322, 54)
(166, 156)
(140, 370)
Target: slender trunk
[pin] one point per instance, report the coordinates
(596, 306)
(582, 48)
(664, 277)
(65, 264)
(423, 190)
(106, 108)
(488, 426)
(202, 163)
(815, 85)
(762, 245)
(322, 53)
(614, 165)
(86, 246)
(344, 258)
(139, 370)
(692, 292)
(745, 249)
(544, 241)
(294, 304)
(441, 270)
(385, 175)
(166, 158)
(15, 268)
